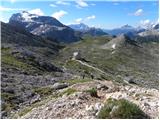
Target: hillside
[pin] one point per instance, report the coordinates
(121, 58)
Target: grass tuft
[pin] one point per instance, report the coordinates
(93, 92)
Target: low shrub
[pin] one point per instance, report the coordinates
(121, 109)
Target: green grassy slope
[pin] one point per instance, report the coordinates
(126, 61)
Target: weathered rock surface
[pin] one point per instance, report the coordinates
(80, 105)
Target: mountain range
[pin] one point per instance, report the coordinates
(50, 27)
(126, 29)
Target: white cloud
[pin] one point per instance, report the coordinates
(91, 17)
(59, 14)
(139, 12)
(79, 20)
(59, 2)
(53, 5)
(36, 11)
(145, 22)
(81, 3)
(6, 9)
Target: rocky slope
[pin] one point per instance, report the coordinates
(44, 26)
(81, 105)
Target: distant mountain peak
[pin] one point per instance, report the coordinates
(126, 26)
(24, 16)
(79, 26)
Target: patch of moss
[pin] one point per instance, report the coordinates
(121, 109)
(43, 91)
(8, 59)
(25, 111)
(69, 91)
(8, 105)
(7, 96)
(5, 49)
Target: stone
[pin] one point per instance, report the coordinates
(36, 98)
(102, 87)
(98, 106)
(58, 86)
(89, 108)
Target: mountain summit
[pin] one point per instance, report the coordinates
(86, 30)
(44, 26)
(126, 27)
(79, 27)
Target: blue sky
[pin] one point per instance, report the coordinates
(104, 14)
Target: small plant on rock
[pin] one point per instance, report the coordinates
(93, 92)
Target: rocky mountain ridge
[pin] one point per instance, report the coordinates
(44, 26)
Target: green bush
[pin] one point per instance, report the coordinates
(93, 92)
(121, 109)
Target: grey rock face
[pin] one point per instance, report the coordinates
(44, 26)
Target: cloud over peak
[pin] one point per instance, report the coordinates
(78, 20)
(36, 11)
(59, 14)
(145, 22)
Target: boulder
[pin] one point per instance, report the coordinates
(58, 86)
